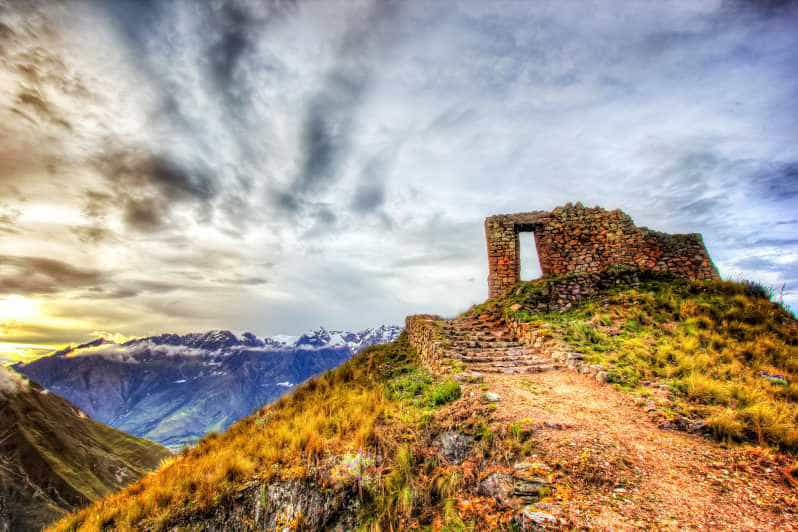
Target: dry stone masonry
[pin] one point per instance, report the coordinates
(481, 344)
(577, 239)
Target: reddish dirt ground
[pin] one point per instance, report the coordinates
(617, 470)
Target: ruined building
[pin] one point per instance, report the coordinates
(576, 239)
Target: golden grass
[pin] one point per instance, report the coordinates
(329, 415)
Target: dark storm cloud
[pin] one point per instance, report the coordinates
(331, 113)
(234, 40)
(147, 215)
(132, 288)
(242, 280)
(370, 193)
(38, 275)
(369, 197)
(140, 169)
(31, 103)
(147, 186)
(96, 203)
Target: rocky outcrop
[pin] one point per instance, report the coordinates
(282, 505)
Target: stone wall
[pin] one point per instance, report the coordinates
(561, 293)
(424, 333)
(576, 239)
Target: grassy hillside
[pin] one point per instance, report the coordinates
(351, 428)
(54, 459)
(725, 351)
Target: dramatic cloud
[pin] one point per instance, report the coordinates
(277, 165)
(37, 275)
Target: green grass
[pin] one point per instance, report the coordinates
(729, 354)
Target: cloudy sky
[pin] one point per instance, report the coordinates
(275, 166)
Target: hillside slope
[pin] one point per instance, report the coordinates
(381, 443)
(174, 389)
(54, 459)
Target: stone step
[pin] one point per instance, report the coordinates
(515, 351)
(475, 324)
(498, 358)
(482, 347)
(487, 368)
(479, 334)
(487, 344)
(512, 363)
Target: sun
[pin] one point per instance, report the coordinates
(18, 308)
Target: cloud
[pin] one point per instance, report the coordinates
(297, 163)
(91, 234)
(779, 181)
(331, 112)
(8, 220)
(11, 382)
(148, 186)
(128, 352)
(38, 275)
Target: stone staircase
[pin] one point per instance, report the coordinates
(485, 344)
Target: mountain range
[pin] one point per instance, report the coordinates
(54, 459)
(173, 389)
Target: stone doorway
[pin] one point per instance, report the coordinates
(528, 255)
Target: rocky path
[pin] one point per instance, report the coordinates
(484, 344)
(617, 470)
(614, 467)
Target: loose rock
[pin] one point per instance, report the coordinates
(454, 446)
(491, 397)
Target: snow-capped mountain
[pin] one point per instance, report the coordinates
(174, 388)
(356, 341)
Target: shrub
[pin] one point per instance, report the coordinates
(445, 392)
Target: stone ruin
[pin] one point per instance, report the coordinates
(577, 239)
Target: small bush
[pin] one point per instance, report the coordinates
(410, 385)
(445, 392)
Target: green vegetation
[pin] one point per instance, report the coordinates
(727, 352)
(369, 406)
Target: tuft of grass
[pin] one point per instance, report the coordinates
(442, 393)
(726, 424)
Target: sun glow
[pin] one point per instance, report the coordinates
(18, 308)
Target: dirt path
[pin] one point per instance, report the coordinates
(619, 471)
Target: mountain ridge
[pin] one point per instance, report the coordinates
(54, 459)
(175, 388)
